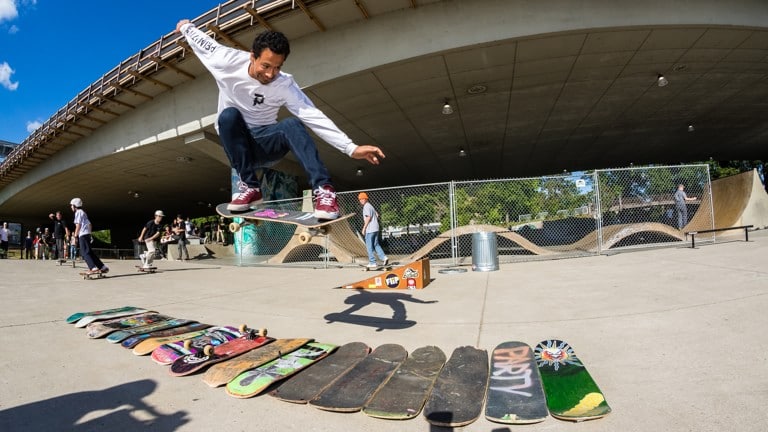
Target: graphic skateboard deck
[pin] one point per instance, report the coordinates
(404, 395)
(170, 352)
(121, 335)
(92, 275)
(309, 383)
(143, 269)
(305, 219)
(102, 328)
(571, 392)
(146, 346)
(211, 355)
(252, 382)
(222, 373)
(459, 392)
(136, 339)
(515, 395)
(88, 317)
(351, 391)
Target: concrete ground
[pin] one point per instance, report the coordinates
(672, 336)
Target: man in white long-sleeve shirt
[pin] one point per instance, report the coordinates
(251, 91)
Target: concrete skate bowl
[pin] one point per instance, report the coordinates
(737, 200)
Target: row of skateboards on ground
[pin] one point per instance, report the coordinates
(518, 385)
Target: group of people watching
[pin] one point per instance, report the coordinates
(49, 241)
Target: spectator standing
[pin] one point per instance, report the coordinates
(681, 206)
(4, 234)
(60, 236)
(28, 244)
(179, 228)
(371, 232)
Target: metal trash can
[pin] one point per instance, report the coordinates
(485, 255)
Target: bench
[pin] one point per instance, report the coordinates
(693, 233)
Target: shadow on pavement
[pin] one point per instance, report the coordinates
(85, 411)
(363, 298)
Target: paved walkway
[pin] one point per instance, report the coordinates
(673, 337)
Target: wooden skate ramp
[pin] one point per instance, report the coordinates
(737, 200)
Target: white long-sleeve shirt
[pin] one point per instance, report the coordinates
(259, 103)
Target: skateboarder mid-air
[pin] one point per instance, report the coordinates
(252, 88)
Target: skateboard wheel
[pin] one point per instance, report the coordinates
(305, 237)
(262, 332)
(187, 344)
(208, 350)
(234, 227)
(242, 328)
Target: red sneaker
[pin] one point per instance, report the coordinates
(245, 199)
(326, 206)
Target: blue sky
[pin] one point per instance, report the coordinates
(50, 50)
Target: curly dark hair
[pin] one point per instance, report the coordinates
(275, 41)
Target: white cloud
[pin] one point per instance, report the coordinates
(5, 76)
(33, 125)
(8, 10)
(13, 29)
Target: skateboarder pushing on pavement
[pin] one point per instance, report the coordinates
(83, 233)
(252, 88)
(149, 235)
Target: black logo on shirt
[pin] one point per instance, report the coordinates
(258, 99)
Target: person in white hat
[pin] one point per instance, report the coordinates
(83, 231)
(149, 236)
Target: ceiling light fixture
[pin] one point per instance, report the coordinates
(477, 89)
(462, 152)
(661, 81)
(447, 109)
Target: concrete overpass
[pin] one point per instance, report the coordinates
(535, 88)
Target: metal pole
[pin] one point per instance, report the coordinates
(452, 210)
(598, 212)
(711, 204)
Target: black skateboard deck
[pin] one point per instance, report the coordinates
(515, 395)
(404, 395)
(264, 214)
(459, 392)
(571, 392)
(309, 383)
(351, 391)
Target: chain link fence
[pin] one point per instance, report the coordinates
(568, 215)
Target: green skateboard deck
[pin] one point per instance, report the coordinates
(251, 383)
(222, 373)
(81, 319)
(515, 395)
(351, 391)
(459, 392)
(306, 385)
(124, 334)
(571, 392)
(404, 395)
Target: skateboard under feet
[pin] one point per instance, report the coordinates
(143, 269)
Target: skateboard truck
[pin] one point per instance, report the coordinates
(250, 333)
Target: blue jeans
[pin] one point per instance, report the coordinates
(264, 146)
(372, 244)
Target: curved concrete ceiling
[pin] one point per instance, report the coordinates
(534, 90)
